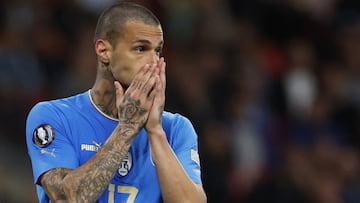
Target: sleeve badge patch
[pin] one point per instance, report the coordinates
(43, 135)
(195, 156)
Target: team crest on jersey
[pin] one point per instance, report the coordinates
(43, 135)
(125, 165)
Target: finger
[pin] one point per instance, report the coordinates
(161, 61)
(148, 74)
(147, 82)
(156, 88)
(163, 74)
(150, 85)
(139, 77)
(119, 92)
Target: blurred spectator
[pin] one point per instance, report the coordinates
(300, 82)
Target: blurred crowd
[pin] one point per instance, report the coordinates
(271, 86)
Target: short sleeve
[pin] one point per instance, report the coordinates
(47, 142)
(184, 142)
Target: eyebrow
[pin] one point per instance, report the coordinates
(144, 41)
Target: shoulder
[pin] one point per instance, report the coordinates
(58, 114)
(56, 105)
(174, 119)
(179, 130)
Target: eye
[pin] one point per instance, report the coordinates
(158, 51)
(140, 49)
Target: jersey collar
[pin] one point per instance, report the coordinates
(99, 110)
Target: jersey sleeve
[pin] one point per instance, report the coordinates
(47, 141)
(185, 145)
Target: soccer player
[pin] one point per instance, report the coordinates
(115, 142)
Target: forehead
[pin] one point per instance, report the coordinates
(136, 30)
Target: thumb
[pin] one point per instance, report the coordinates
(119, 93)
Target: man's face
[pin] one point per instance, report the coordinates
(140, 44)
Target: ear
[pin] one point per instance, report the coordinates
(103, 50)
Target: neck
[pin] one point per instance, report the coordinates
(103, 92)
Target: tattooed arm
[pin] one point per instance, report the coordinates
(87, 183)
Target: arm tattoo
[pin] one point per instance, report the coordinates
(95, 180)
(132, 113)
(89, 181)
(51, 182)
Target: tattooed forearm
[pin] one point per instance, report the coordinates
(89, 181)
(52, 180)
(101, 169)
(97, 178)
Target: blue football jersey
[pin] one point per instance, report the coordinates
(66, 133)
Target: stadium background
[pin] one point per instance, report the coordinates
(271, 86)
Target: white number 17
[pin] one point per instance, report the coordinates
(130, 190)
